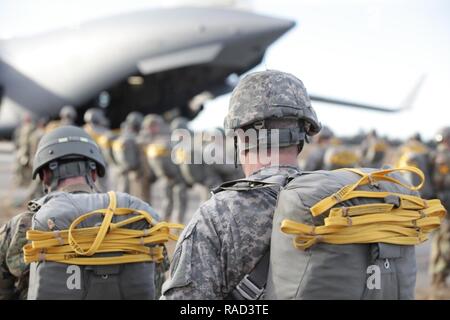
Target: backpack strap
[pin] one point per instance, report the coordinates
(278, 180)
(252, 286)
(36, 204)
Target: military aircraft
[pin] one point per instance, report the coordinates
(153, 61)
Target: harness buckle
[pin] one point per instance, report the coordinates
(248, 289)
(337, 197)
(372, 181)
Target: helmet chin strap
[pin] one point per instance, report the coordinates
(286, 137)
(64, 170)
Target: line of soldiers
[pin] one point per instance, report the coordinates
(223, 251)
(136, 156)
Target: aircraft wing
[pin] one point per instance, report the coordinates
(407, 103)
(351, 104)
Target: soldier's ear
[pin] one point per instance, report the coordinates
(46, 176)
(94, 175)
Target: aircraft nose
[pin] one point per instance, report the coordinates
(277, 25)
(254, 23)
(251, 35)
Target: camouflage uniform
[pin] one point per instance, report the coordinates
(22, 168)
(227, 170)
(128, 156)
(35, 189)
(67, 117)
(440, 254)
(224, 240)
(230, 233)
(95, 120)
(373, 151)
(168, 173)
(13, 270)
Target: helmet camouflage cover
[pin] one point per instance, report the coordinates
(272, 95)
(267, 95)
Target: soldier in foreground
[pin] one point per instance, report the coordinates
(224, 251)
(68, 162)
(230, 233)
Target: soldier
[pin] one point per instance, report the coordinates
(226, 250)
(13, 270)
(196, 159)
(35, 189)
(67, 117)
(315, 160)
(95, 125)
(144, 139)
(22, 168)
(68, 161)
(374, 150)
(168, 173)
(221, 149)
(342, 156)
(128, 158)
(415, 153)
(440, 176)
(230, 233)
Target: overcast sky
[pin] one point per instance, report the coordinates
(371, 51)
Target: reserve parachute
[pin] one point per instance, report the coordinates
(349, 234)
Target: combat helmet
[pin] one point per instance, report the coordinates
(179, 123)
(326, 133)
(152, 121)
(134, 120)
(443, 135)
(68, 151)
(94, 116)
(68, 113)
(272, 95)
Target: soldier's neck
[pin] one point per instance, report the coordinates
(66, 183)
(283, 159)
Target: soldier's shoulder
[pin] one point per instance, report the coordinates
(134, 202)
(18, 223)
(227, 204)
(21, 220)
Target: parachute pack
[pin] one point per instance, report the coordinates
(107, 253)
(343, 234)
(349, 234)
